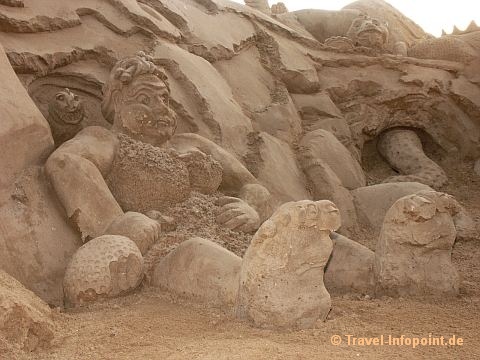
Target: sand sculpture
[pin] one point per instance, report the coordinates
(281, 279)
(135, 151)
(107, 266)
(66, 113)
(129, 111)
(413, 254)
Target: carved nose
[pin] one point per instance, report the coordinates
(160, 109)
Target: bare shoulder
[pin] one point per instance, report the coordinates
(94, 143)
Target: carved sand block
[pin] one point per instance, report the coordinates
(403, 150)
(202, 270)
(413, 254)
(350, 268)
(281, 280)
(105, 267)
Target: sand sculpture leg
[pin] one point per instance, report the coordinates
(403, 150)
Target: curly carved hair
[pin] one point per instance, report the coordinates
(122, 74)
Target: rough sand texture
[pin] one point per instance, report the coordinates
(155, 326)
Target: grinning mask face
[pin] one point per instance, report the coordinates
(66, 108)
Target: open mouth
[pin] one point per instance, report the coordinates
(370, 31)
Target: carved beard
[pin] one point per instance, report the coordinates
(62, 117)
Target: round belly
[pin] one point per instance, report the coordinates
(144, 177)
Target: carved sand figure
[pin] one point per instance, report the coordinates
(368, 32)
(136, 160)
(403, 150)
(363, 32)
(236, 104)
(413, 254)
(281, 279)
(461, 46)
(132, 168)
(66, 113)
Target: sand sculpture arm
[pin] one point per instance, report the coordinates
(237, 181)
(76, 171)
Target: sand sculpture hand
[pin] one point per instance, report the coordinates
(236, 214)
(139, 228)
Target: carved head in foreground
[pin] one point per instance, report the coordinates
(136, 100)
(66, 108)
(368, 32)
(305, 214)
(423, 206)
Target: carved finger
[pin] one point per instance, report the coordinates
(236, 222)
(225, 216)
(248, 227)
(227, 200)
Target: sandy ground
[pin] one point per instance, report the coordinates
(152, 325)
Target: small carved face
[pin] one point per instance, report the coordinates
(67, 104)
(143, 110)
(369, 32)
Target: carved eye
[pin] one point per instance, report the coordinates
(144, 99)
(75, 97)
(60, 97)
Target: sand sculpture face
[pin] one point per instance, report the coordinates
(66, 108)
(137, 101)
(368, 32)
